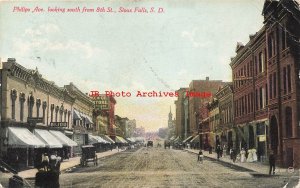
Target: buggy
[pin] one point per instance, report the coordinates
(88, 155)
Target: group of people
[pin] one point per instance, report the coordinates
(50, 163)
(243, 156)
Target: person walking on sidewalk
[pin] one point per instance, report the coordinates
(200, 156)
(272, 162)
(243, 156)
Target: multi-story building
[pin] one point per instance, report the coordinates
(130, 128)
(214, 123)
(200, 86)
(266, 85)
(35, 113)
(180, 121)
(225, 98)
(82, 111)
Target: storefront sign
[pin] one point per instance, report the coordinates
(262, 138)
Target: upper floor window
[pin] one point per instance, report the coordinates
(44, 110)
(13, 103)
(22, 101)
(38, 105)
(30, 106)
(271, 46)
(52, 109)
(261, 63)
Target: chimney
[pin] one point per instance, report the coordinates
(11, 60)
(207, 78)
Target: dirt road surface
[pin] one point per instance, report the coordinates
(159, 167)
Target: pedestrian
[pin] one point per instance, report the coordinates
(219, 151)
(200, 156)
(210, 149)
(45, 161)
(272, 162)
(243, 155)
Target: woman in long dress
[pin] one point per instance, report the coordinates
(243, 155)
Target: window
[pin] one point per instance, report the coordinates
(289, 81)
(270, 86)
(274, 84)
(38, 104)
(255, 65)
(52, 109)
(271, 46)
(22, 101)
(69, 114)
(13, 103)
(61, 111)
(44, 110)
(260, 98)
(256, 99)
(283, 38)
(261, 62)
(65, 115)
(267, 98)
(284, 80)
(30, 106)
(56, 113)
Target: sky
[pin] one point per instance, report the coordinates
(129, 51)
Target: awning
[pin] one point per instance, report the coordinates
(101, 140)
(48, 138)
(96, 139)
(22, 138)
(88, 119)
(92, 139)
(68, 133)
(187, 139)
(107, 138)
(63, 138)
(76, 115)
(120, 140)
(195, 139)
(172, 138)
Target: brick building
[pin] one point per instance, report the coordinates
(266, 85)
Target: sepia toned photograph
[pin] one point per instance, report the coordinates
(150, 93)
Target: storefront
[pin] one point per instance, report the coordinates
(21, 147)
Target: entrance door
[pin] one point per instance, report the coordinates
(274, 134)
(289, 157)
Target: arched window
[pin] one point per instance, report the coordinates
(44, 111)
(61, 111)
(69, 114)
(288, 122)
(52, 109)
(22, 101)
(13, 95)
(56, 113)
(38, 105)
(65, 115)
(30, 105)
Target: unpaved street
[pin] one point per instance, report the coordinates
(157, 167)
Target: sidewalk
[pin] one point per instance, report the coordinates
(255, 167)
(67, 163)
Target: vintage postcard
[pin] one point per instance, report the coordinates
(150, 93)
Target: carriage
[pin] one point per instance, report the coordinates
(88, 155)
